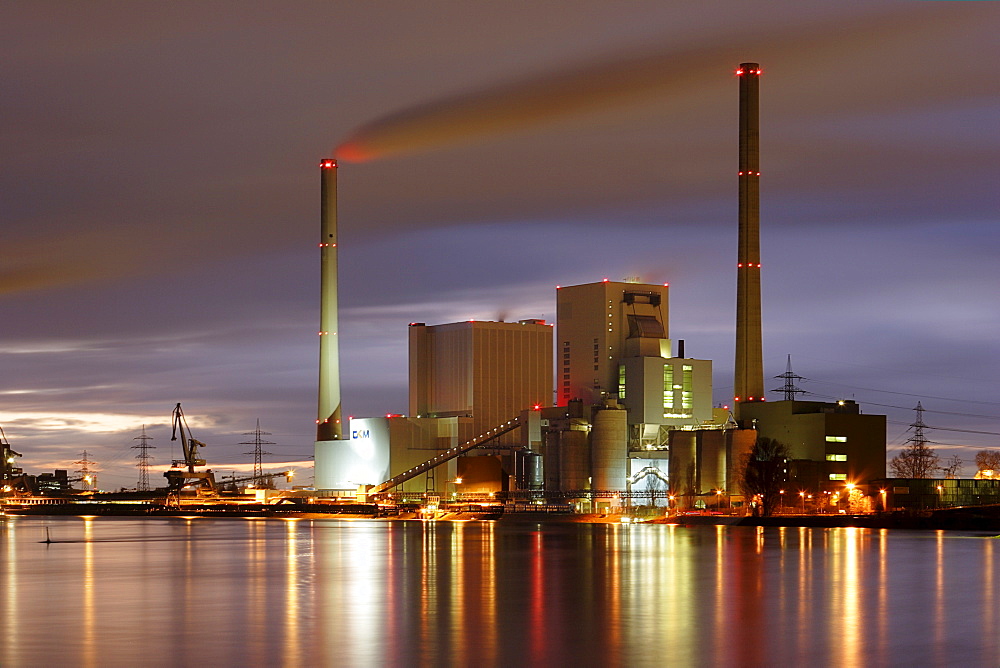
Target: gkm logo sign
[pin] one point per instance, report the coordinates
(360, 433)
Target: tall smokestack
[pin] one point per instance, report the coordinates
(328, 422)
(749, 376)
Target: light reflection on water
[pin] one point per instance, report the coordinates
(120, 592)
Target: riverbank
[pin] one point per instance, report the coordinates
(976, 518)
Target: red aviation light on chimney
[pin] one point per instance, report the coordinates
(327, 164)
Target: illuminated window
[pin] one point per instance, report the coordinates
(836, 439)
(668, 387)
(621, 381)
(838, 476)
(687, 389)
(836, 458)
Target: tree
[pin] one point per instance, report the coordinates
(915, 461)
(765, 471)
(988, 464)
(953, 467)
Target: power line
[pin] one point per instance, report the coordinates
(905, 394)
(966, 431)
(906, 408)
(927, 410)
(921, 373)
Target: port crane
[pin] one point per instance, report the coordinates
(183, 471)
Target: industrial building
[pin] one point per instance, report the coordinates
(830, 443)
(632, 414)
(613, 341)
(917, 494)
(609, 433)
(465, 379)
(487, 371)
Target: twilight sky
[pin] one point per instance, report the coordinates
(159, 200)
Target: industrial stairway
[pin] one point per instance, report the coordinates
(447, 455)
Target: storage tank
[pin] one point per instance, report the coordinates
(534, 476)
(609, 447)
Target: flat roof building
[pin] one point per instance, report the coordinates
(848, 445)
(489, 371)
(594, 322)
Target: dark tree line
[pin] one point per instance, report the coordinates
(765, 471)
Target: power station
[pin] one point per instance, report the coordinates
(605, 407)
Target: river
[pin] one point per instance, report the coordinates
(233, 592)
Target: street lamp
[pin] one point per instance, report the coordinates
(850, 490)
(781, 501)
(803, 495)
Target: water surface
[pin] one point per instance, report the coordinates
(177, 592)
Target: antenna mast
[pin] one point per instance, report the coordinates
(258, 473)
(918, 439)
(143, 458)
(789, 387)
(86, 473)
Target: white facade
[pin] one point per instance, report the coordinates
(379, 448)
(362, 459)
